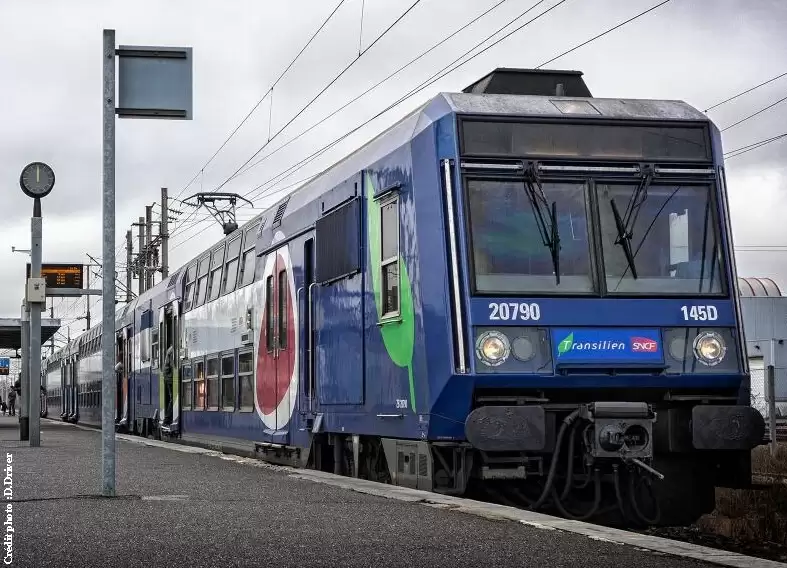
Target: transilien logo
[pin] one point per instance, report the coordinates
(566, 345)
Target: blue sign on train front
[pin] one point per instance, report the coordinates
(600, 345)
(5, 365)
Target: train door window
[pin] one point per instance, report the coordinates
(246, 380)
(228, 382)
(199, 385)
(191, 279)
(202, 281)
(154, 348)
(389, 255)
(213, 383)
(308, 255)
(144, 337)
(269, 317)
(249, 257)
(187, 385)
(282, 331)
(231, 267)
(216, 264)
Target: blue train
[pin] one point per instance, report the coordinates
(518, 289)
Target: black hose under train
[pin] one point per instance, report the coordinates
(567, 421)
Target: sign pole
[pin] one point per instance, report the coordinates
(23, 404)
(108, 388)
(34, 390)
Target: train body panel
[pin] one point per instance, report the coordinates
(462, 299)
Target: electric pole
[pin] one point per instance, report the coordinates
(164, 234)
(52, 315)
(129, 253)
(148, 249)
(87, 317)
(141, 255)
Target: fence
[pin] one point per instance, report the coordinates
(763, 400)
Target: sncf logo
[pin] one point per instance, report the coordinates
(643, 345)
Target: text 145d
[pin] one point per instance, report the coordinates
(700, 313)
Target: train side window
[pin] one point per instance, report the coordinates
(199, 385)
(191, 278)
(249, 257)
(202, 281)
(228, 382)
(269, 318)
(231, 267)
(246, 380)
(187, 385)
(216, 264)
(389, 255)
(213, 382)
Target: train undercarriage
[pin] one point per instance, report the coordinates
(622, 463)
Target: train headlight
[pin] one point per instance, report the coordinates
(523, 349)
(709, 348)
(492, 348)
(677, 347)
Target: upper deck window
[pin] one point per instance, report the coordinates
(248, 262)
(509, 255)
(674, 242)
(599, 141)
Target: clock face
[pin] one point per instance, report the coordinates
(37, 179)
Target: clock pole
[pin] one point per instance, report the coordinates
(34, 389)
(36, 181)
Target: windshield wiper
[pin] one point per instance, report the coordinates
(546, 219)
(625, 224)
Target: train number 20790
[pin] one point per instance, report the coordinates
(506, 311)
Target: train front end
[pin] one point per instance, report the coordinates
(595, 297)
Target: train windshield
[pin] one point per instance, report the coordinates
(659, 241)
(509, 251)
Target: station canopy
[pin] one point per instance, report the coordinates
(11, 331)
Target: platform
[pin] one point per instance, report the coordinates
(185, 506)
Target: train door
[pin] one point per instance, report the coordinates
(73, 415)
(63, 388)
(128, 369)
(307, 324)
(276, 367)
(169, 375)
(123, 414)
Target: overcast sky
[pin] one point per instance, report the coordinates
(50, 100)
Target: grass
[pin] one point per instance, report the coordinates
(753, 515)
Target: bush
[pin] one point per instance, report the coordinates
(754, 515)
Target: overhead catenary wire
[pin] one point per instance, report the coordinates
(753, 146)
(732, 98)
(259, 102)
(474, 20)
(443, 72)
(446, 70)
(436, 76)
(578, 46)
(602, 34)
(317, 96)
(741, 121)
